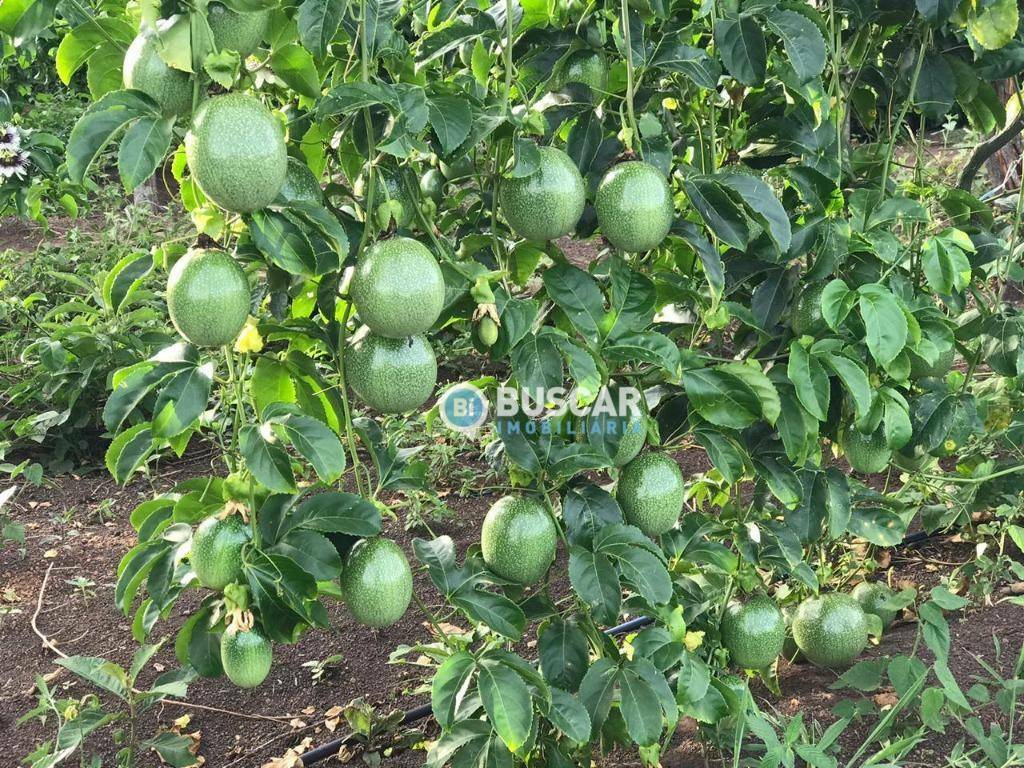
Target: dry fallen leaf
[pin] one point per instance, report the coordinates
(886, 700)
(50, 553)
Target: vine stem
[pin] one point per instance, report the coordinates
(357, 465)
(624, 20)
(364, 66)
(891, 145)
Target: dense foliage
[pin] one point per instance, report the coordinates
(785, 282)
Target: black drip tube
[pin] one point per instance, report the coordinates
(331, 748)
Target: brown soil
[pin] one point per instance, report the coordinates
(78, 526)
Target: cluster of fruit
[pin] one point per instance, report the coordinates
(633, 202)
(829, 630)
(376, 585)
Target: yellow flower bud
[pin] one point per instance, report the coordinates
(693, 640)
(249, 339)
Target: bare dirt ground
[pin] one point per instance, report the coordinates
(78, 527)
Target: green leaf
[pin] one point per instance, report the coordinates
(836, 302)
(311, 438)
(143, 149)
(809, 381)
(878, 525)
(100, 672)
(996, 25)
(762, 204)
(124, 278)
(182, 400)
(740, 43)
(936, 86)
(805, 46)
(597, 690)
(496, 611)
(936, 12)
(128, 452)
(885, 322)
(318, 22)
(451, 118)
(334, 512)
(947, 601)
(854, 378)
(268, 462)
(507, 701)
(270, 383)
(98, 124)
(695, 63)
(720, 211)
(449, 686)
(88, 39)
(587, 509)
(640, 708)
(593, 577)
(279, 239)
(577, 294)
(569, 716)
(313, 552)
(722, 398)
(294, 64)
(564, 654)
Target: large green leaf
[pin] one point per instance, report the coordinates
(507, 701)
(318, 22)
(143, 149)
(98, 125)
(294, 64)
(593, 577)
(740, 43)
(885, 322)
(449, 686)
(268, 462)
(805, 46)
(721, 397)
(578, 295)
(563, 651)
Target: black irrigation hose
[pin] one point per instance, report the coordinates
(331, 748)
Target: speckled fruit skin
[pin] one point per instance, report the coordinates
(546, 204)
(376, 582)
(634, 206)
(391, 375)
(807, 317)
(831, 630)
(300, 185)
(588, 67)
(235, 151)
(754, 632)
(398, 288)
(920, 369)
(518, 540)
(145, 71)
(208, 297)
(216, 555)
(232, 31)
(246, 656)
(394, 182)
(432, 184)
(633, 427)
(872, 595)
(650, 492)
(866, 453)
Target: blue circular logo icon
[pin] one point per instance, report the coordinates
(463, 408)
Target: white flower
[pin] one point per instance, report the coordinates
(13, 163)
(10, 138)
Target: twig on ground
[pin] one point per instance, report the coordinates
(39, 607)
(279, 719)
